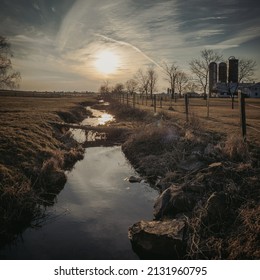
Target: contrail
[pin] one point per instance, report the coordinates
(129, 45)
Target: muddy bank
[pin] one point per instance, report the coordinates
(210, 189)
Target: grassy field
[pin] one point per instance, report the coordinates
(35, 150)
(222, 118)
(34, 154)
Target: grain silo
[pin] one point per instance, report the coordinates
(222, 72)
(213, 69)
(233, 70)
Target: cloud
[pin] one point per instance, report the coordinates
(67, 36)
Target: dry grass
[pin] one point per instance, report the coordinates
(34, 153)
(222, 119)
(221, 225)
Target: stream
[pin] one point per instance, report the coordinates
(92, 214)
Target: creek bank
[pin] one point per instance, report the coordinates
(32, 168)
(209, 182)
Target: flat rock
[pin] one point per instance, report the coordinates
(160, 238)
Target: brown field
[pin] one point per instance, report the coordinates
(35, 151)
(222, 118)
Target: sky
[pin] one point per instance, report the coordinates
(64, 45)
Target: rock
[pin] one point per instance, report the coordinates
(134, 179)
(159, 238)
(173, 201)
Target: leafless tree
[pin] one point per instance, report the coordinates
(118, 88)
(142, 80)
(104, 88)
(131, 86)
(200, 67)
(181, 81)
(152, 79)
(191, 86)
(171, 72)
(246, 70)
(8, 77)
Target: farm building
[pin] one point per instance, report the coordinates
(225, 89)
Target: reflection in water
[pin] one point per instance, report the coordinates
(99, 118)
(104, 118)
(91, 217)
(79, 135)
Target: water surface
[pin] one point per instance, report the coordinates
(93, 212)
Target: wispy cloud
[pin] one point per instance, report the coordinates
(65, 37)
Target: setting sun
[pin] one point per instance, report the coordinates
(107, 62)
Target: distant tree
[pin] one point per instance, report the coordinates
(104, 88)
(142, 80)
(171, 72)
(152, 79)
(8, 77)
(200, 67)
(131, 86)
(191, 86)
(246, 70)
(181, 81)
(118, 88)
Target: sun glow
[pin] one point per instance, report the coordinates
(107, 62)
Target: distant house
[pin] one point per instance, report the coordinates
(249, 89)
(254, 90)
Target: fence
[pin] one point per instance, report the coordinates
(216, 112)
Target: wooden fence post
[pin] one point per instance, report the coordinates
(242, 114)
(187, 107)
(154, 103)
(134, 100)
(208, 105)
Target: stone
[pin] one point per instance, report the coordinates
(173, 201)
(134, 179)
(158, 238)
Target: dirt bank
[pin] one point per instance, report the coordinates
(213, 180)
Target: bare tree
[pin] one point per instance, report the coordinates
(191, 86)
(8, 77)
(200, 67)
(152, 79)
(104, 88)
(118, 88)
(131, 86)
(143, 82)
(171, 72)
(181, 81)
(246, 70)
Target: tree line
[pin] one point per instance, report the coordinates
(145, 81)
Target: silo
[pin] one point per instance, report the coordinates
(212, 76)
(233, 70)
(222, 72)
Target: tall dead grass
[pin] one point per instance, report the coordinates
(33, 156)
(236, 148)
